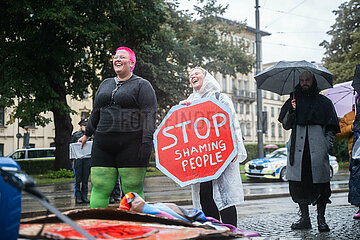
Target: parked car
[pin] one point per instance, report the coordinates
(273, 166)
(33, 154)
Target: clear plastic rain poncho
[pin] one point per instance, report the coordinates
(227, 189)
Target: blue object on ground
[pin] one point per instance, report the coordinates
(10, 204)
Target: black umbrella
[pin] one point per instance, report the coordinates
(356, 82)
(284, 76)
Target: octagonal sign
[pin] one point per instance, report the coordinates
(195, 143)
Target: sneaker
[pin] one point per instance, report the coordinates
(357, 215)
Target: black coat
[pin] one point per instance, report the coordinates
(354, 180)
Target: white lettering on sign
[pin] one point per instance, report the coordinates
(185, 136)
(207, 147)
(184, 130)
(201, 161)
(207, 128)
(218, 125)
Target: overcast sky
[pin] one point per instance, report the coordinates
(297, 27)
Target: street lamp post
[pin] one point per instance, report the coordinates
(259, 95)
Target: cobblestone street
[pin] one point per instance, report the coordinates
(277, 225)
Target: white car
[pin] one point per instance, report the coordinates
(273, 166)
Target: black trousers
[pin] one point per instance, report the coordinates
(81, 169)
(228, 215)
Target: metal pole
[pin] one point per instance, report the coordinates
(259, 95)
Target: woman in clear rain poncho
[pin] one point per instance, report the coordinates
(220, 196)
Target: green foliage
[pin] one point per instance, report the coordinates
(344, 165)
(56, 48)
(36, 166)
(340, 150)
(62, 173)
(251, 149)
(343, 52)
(53, 49)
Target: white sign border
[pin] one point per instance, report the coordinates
(227, 161)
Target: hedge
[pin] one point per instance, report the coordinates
(32, 167)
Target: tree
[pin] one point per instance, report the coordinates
(343, 52)
(51, 49)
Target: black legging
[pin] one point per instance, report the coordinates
(228, 215)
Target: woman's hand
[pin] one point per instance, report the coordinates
(185, 102)
(83, 140)
(293, 103)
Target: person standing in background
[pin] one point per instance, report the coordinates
(347, 127)
(354, 179)
(81, 168)
(314, 123)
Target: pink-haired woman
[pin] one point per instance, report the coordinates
(123, 123)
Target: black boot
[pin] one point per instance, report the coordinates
(322, 226)
(304, 221)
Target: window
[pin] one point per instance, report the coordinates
(241, 108)
(18, 155)
(242, 127)
(247, 129)
(2, 117)
(234, 86)
(224, 84)
(247, 108)
(236, 106)
(272, 112)
(264, 93)
(253, 47)
(1, 150)
(41, 153)
(271, 95)
(239, 84)
(273, 130)
(280, 130)
(245, 85)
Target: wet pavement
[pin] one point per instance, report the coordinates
(267, 209)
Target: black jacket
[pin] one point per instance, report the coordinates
(127, 106)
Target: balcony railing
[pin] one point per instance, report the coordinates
(244, 95)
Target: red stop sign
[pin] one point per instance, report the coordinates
(195, 143)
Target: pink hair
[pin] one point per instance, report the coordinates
(131, 53)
